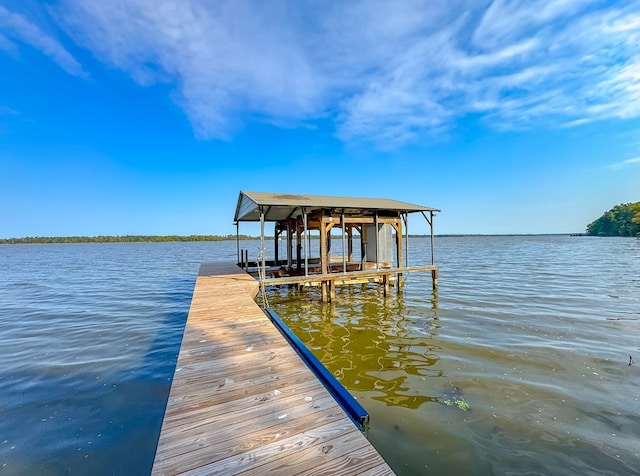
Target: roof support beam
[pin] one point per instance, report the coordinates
(430, 222)
(344, 244)
(238, 239)
(289, 245)
(432, 253)
(263, 251)
(305, 237)
(405, 217)
(377, 238)
(292, 213)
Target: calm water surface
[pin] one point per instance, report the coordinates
(518, 365)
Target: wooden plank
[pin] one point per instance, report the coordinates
(355, 276)
(242, 401)
(341, 452)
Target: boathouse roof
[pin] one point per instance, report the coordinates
(280, 206)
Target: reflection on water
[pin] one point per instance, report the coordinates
(370, 343)
(518, 365)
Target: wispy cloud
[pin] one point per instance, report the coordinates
(624, 163)
(388, 71)
(518, 64)
(6, 44)
(19, 28)
(7, 111)
(225, 59)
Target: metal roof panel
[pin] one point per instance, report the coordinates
(279, 206)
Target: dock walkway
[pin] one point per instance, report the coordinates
(243, 402)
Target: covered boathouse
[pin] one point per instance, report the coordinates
(370, 241)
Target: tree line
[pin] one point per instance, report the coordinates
(621, 220)
(120, 239)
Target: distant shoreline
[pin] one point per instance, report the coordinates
(193, 238)
(121, 239)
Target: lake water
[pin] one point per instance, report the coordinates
(518, 365)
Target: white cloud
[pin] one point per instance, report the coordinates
(527, 64)
(624, 163)
(14, 25)
(226, 58)
(385, 71)
(506, 21)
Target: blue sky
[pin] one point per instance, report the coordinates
(149, 116)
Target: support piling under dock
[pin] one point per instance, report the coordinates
(242, 401)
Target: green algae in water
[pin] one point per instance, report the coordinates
(455, 399)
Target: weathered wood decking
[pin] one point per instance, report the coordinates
(242, 401)
(346, 278)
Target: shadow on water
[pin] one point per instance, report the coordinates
(89, 414)
(156, 372)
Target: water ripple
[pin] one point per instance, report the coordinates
(531, 334)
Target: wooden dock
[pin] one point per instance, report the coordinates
(243, 402)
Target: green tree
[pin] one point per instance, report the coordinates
(621, 220)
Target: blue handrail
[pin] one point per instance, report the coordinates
(349, 404)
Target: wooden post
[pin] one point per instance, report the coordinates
(289, 245)
(238, 241)
(298, 247)
(432, 253)
(377, 240)
(262, 247)
(332, 290)
(324, 249)
(263, 253)
(406, 240)
(363, 246)
(344, 242)
(385, 284)
(306, 243)
(323, 288)
(434, 277)
(398, 227)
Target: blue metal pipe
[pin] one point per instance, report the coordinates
(349, 404)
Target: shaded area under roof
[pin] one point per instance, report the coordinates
(280, 206)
